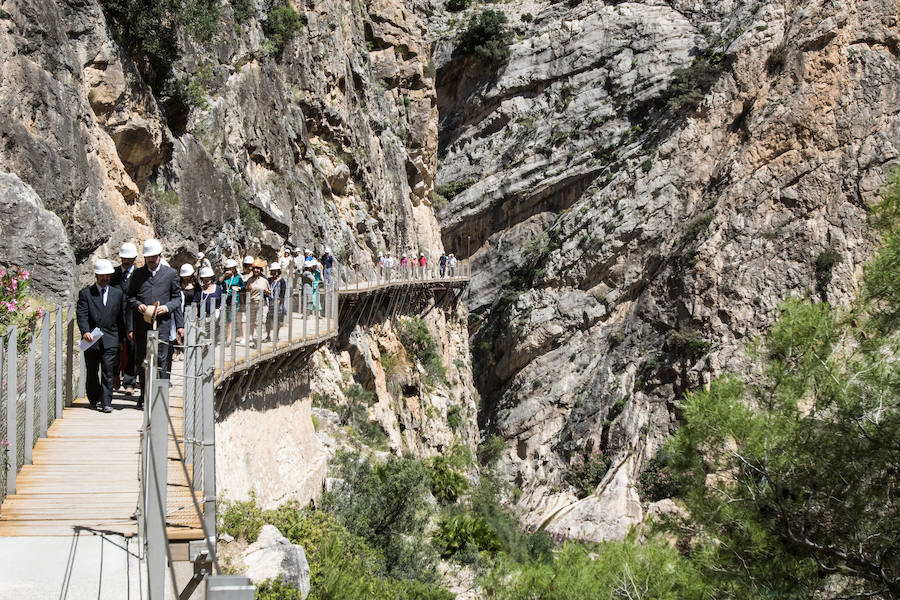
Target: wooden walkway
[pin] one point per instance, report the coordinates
(84, 474)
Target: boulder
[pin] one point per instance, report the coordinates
(33, 237)
(273, 556)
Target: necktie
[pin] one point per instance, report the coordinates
(103, 294)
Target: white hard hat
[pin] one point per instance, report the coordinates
(230, 263)
(421, 254)
(327, 250)
(297, 251)
(275, 266)
(380, 254)
(404, 255)
(103, 267)
(388, 253)
(201, 256)
(128, 250)
(186, 270)
(152, 247)
(248, 260)
(307, 251)
(208, 272)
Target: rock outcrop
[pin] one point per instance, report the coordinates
(273, 556)
(672, 171)
(34, 238)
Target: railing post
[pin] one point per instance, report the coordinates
(274, 320)
(45, 373)
(12, 404)
(260, 323)
(234, 329)
(248, 328)
(316, 309)
(290, 309)
(304, 301)
(29, 399)
(201, 343)
(156, 481)
(70, 355)
(58, 363)
(223, 334)
(187, 433)
(206, 409)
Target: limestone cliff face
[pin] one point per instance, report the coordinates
(278, 439)
(333, 141)
(635, 225)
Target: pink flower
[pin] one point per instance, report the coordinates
(25, 275)
(2, 272)
(40, 312)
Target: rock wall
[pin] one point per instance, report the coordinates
(332, 141)
(672, 170)
(277, 440)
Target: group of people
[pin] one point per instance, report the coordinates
(408, 266)
(115, 313)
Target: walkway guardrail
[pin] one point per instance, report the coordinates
(37, 367)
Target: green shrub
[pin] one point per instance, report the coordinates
(446, 484)
(249, 216)
(281, 25)
(658, 481)
(451, 190)
(490, 451)
(460, 534)
(690, 84)
(586, 472)
(419, 343)
(277, 589)
(384, 504)
(241, 519)
(149, 31)
(825, 263)
(354, 414)
(486, 37)
(688, 340)
(243, 10)
(611, 570)
(458, 5)
(454, 417)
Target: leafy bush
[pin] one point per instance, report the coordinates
(148, 31)
(249, 216)
(277, 589)
(243, 9)
(458, 5)
(586, 472)
(451, 190)
(383, 503)
(624, 569)
(689, 340)
(658, 481)
(446, 484)
(460, 534)
(491, 450)
(281, 25)
(690, 84)
(354, 414)
(419, 343)
(486, 37)
(241, 519)
(454, 417)
(825, 263)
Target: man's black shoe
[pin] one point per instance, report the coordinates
(106, 409)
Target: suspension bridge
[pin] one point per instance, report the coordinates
(79, 483)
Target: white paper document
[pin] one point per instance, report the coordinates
(96, 334)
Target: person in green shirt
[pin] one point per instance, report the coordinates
(233, 286)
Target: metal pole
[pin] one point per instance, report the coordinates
(196, 398)
(316, 309)
(222, 334)
(156, 484)
(234, 329)
(248, 329)
(290, 309)
(45, 372)
(274, 319)
(304, 301)
(187, 433)
(260, 324)
(57, 355)
(208, 428)
(12, 403)
(29, 400)
(70, 355)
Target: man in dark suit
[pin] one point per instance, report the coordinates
(102, 306)
(152, 283)
(121, 278)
